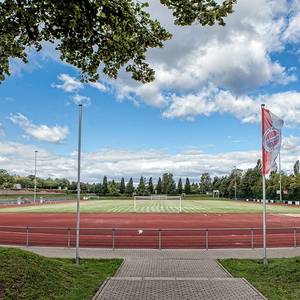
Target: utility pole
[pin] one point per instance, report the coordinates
(280, 179)
(78, 187)
(34, 192)
(235, 183)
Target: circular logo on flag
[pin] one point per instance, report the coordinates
(272, 139)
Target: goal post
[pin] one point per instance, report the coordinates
(160, 200)
(216, 193)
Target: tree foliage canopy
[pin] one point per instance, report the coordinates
(249, 184)
(96, 36)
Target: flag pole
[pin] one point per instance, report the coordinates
(78, 188)
(265, 221)
(265, 260)
(280, 181)
(34, 192)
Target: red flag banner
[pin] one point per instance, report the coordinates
(271, 140)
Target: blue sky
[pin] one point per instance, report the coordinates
(200, 114)
(110, 123)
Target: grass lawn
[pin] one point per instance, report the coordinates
(24, 275)
(188, 206)
(279, 280)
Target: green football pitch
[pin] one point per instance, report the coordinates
(172, 206)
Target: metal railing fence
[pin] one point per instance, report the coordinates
(155, 238)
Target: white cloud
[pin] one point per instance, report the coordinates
(189, 106)
(292, 32)
(115, 163)
(238, 64)
(55, 134)
(19, 158)
(78, 99)
(69, 84)
(212, 100)
(291, 144)
(204, 70)
(148, 93)
(98, 85)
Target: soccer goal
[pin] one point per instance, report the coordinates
(157, 203)
(216, 194)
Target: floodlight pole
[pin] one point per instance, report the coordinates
(78, 187)
(34, 191)
(235, 184)
(280, 179)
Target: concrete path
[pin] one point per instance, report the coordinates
(172, 268)
(137, 254)
(175, 279)
(172, 274)
(180, 289)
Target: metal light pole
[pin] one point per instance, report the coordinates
(34, 192)
(78, 187)
(280, 179)
(235, 183)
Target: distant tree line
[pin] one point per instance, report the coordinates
(249, 184)
(11, 181)
(165, 185)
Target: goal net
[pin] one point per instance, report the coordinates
(157, 203)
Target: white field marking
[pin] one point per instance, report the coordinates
(289, 215)
(241, 235)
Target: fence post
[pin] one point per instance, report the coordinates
(113, 239)
(27, 236)
(206, 239)
(159, 239)
(69, 237)
(295, 238)
(252, 239)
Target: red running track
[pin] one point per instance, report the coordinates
(198, 231)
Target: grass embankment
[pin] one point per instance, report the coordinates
(24, 275)
(279, 280)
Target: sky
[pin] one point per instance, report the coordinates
(201, 114)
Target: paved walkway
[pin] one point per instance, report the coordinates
(134, 254)
(175, 280)
(172, 274)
